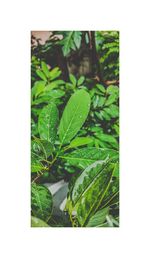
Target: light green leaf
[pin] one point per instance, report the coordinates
(36, 222)
(81, 80)
(53, 85)
(74, 115)
(47, 123)
(113, 90)
(73, 79)
(82, 158)
(54, 73)
(41, 75)
(112, 110)
(79, 141)
(98, 218)
(45, 69)
(55, 93)
(111, 99)
(101, 88)
(41, 201)
(38, 88)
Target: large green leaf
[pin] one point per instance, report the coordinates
(41, 201)
(89, 190)
(83, 157)
(36, 222)
(47, 123)
(74, 115)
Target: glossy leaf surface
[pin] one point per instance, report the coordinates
(74, 115)
(47, 123)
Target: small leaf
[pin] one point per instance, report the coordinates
(101, 88)
(41, 201)
(81, 80)
(73, 79)
(38, 88)
(41, 75)
(79, 141)
(54, 73)
(36, 222)
(111, 99)
(74, 115)
(47, 123)
(45, 69)
(53, 85)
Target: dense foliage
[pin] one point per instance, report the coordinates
(75, 129)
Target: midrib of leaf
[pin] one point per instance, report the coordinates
(70, 124)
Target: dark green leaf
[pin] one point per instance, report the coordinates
(41, 202)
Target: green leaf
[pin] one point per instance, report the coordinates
(108, 138)
(41, 148)
(113, 90)
(79, 141)
(45, 69)
(81, 80)
(54, 73)
(89, 189)
(71, 41)
(53, 85)
(111, 99)
(77, 38)
(55, 93)
(101, 88)
(98, 218)
(36, 165)
(74, 115)
(47, 123)
(41, 201)
(41, 75)
(36, 222)
(112, 110)
(38, 88)
(73, 79)
(82, 158)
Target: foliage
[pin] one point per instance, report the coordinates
(75, 137)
